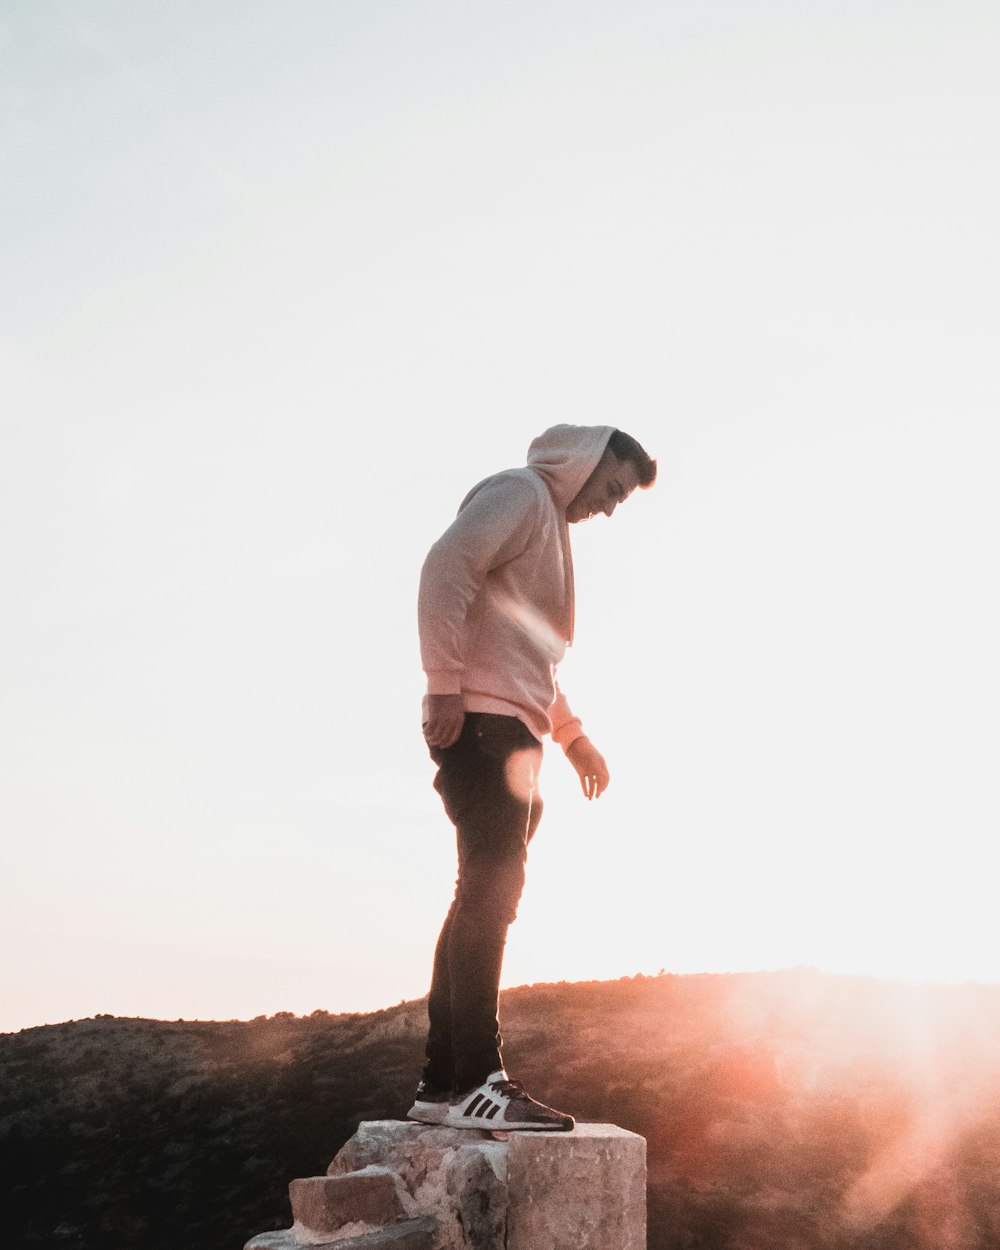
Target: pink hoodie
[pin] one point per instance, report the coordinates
(495, 608)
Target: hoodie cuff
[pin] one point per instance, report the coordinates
(444, 681)
(568, 733)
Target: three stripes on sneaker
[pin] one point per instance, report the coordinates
(481, 1108)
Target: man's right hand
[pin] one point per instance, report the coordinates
(446, 715)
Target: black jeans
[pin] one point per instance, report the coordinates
(488, 782)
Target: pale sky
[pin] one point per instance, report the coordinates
(281, 281)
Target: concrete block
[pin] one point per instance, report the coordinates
(325, 1204)
(584, 1190)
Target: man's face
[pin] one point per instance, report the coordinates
(610, 483)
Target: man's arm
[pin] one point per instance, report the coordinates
(567, 731)
(494, 526)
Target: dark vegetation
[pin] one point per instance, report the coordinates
(783, 1111)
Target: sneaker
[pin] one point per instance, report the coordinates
(430, 1104)
(500, 1103)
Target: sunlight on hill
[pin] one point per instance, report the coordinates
(781, 1110)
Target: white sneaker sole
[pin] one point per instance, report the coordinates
(455, 1118)
(429, 1113)
(507, 1126)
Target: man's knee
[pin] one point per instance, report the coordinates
(492, 887)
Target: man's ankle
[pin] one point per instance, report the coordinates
(496, 1073)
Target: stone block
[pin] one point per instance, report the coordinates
(325, 1204)
(584, 1190)
(415, 1234)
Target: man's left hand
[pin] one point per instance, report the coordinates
(590, 767)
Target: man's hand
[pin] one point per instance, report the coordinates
(446, 715)
(590, 767)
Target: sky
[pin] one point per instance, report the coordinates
(282, 281)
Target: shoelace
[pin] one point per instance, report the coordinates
(508, 1087)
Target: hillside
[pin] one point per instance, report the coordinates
(783, 1111)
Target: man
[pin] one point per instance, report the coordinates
(495, 616)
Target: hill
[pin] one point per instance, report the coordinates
(783, 1111)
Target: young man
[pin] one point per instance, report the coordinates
(495, 616)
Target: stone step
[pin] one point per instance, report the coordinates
(325, 1204)
(415, 1234)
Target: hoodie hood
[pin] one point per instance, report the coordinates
(563, 457)
(566, 455)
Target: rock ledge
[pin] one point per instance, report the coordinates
(409, 1186)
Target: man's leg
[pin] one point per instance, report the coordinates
(488, 781)
(490, 889)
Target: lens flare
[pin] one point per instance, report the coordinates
(521, 772)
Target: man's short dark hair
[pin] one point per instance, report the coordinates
(625, 447)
